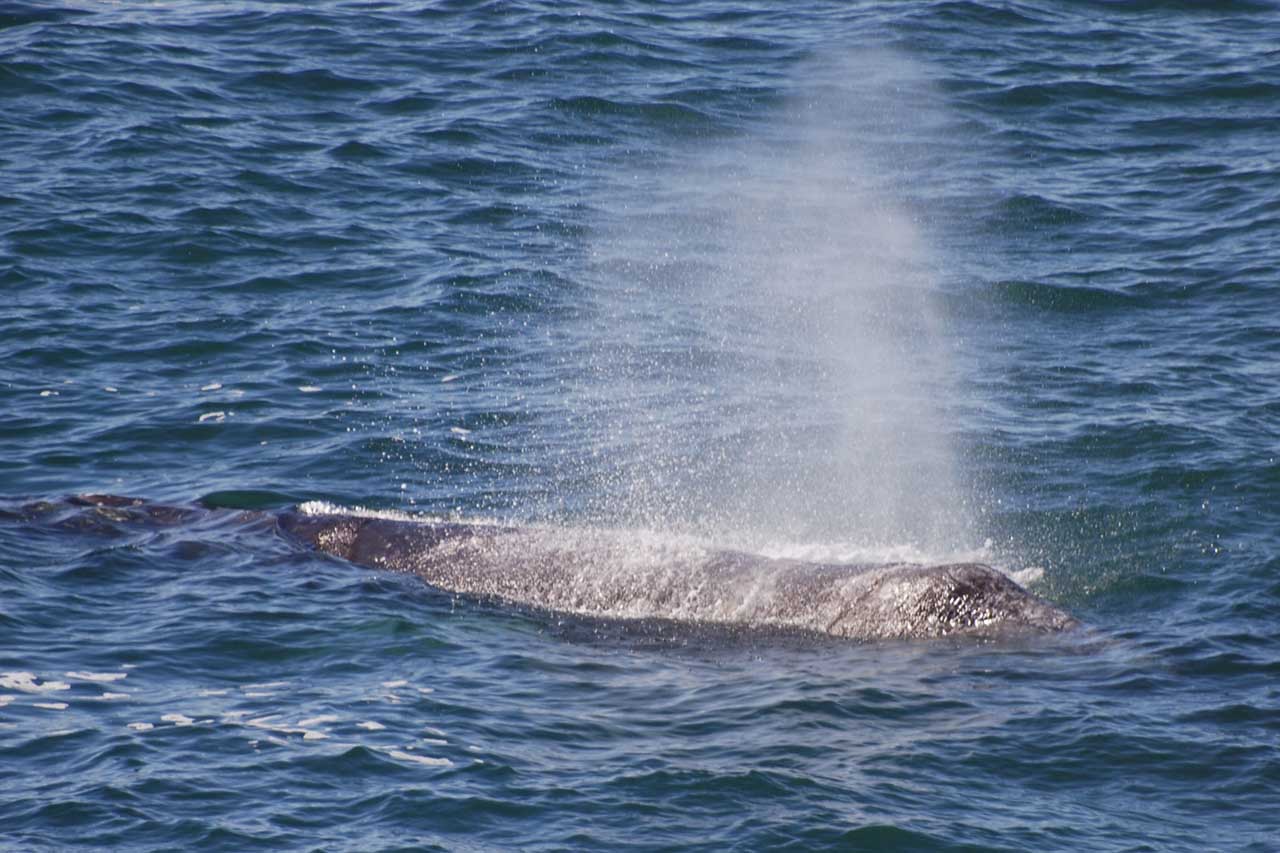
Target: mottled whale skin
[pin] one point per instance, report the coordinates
(628, 575)
(633, 575)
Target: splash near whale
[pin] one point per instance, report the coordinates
(629, 575)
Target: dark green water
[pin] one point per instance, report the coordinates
(838, 281)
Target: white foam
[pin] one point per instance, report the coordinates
(28, 682)
(212, 692)
(108, 696)
(397, 683)
(459, 430)
(216, 417)
(52, 706)
(110, 389)
(141, 727)
(370, 725)
(5, 699)
(178, 719)
(327, 508)
(267, 722)
(98, 676)
(450, 378)
(317, 721)
(309, 389)
(212, 386)
(420, 759)
(48, 393)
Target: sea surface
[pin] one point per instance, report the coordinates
(843, 281)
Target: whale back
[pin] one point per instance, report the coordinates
(632, 575)
(615, 575)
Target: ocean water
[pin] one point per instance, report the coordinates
(859, 281)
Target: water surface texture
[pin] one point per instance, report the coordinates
(841, 281)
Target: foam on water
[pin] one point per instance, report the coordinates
(101, 677)
(29, 682)
(309, 730)
(328, 508)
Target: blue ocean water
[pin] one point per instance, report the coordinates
(831, 280)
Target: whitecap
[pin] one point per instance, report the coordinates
(428, 760)
(97, 676)
(28, 682)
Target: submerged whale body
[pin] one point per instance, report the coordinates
(633, 575)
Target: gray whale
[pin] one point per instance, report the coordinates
(628, 575)
(635, 576)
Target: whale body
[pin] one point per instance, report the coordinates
(636, 576)
(629, 575)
